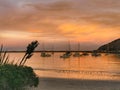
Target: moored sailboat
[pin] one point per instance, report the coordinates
(68, 53)
(77, 54)
(43, 53)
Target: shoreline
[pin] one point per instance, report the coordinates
(76, 84)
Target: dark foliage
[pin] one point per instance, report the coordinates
(17, 77)
(29, 52)
(13, 77)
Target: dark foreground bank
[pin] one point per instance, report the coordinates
(72, 84)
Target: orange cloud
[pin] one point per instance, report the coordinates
(83, 20)
(88, 32)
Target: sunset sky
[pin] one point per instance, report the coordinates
(90, 22)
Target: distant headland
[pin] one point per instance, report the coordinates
(113, 46)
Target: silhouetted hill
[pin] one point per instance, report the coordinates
(113, 46)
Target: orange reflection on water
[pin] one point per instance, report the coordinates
(85, 67)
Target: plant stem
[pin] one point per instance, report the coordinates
(22, 59)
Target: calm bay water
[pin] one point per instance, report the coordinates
(105, 67)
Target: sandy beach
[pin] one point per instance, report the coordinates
(72, 84)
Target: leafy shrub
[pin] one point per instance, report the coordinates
(17, 76)
(13, 77)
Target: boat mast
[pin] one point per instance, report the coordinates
(69, 47)
(78, 46)
(43, 47)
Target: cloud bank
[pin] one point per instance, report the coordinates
(78, 20)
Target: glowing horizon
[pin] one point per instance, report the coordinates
(93, 22)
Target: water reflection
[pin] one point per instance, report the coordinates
(84, 67)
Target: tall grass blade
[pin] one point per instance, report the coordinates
(6, 61)
(3, 57)
(1, 53)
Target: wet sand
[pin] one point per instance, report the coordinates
(74, 84)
